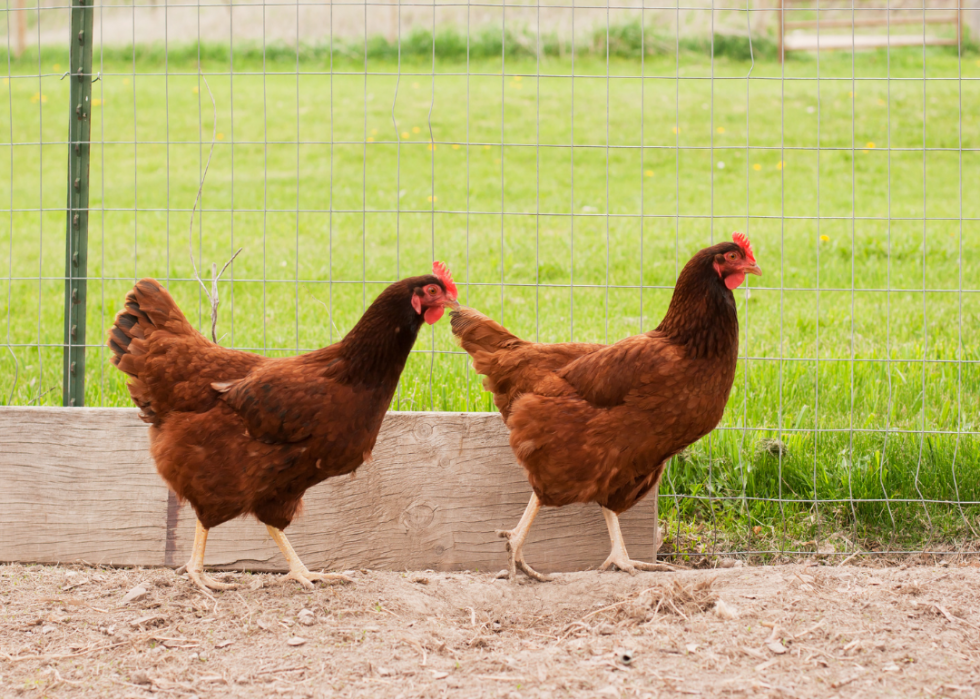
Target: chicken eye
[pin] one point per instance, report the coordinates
(731, 256)
(431, 290)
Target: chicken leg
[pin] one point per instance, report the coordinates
(515, 542)
(618, 556)
(195, 566)
(297, 569)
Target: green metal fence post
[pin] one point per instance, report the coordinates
(76, 239)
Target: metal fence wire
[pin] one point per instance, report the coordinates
(565, 160)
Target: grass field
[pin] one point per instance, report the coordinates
(565, 208)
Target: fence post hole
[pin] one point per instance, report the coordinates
(76, 237)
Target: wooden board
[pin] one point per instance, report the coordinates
(79, 485)
(845, 42)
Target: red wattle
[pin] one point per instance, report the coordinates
(433, 314)
(732, 281)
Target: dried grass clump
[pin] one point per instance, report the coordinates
(695, 598)
(676, 599)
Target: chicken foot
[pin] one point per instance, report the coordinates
(618, 556)
(297, 569)
(195, 566)
(515, 542)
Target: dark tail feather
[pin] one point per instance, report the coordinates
(149, 308)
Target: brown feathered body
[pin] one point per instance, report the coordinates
(236, 433)
(597, 423)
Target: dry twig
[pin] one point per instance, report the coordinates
(215, 274)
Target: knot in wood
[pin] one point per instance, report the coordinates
(423, 431)
(417, 517)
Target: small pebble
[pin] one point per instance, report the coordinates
(134, 594)
(306, 618)
(140, 677)
(725, 611)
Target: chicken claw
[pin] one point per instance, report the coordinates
(628, 565)
(305, 577)
(297, 569)
(206, 582)
(618, 556)
(517, 557)
(195, 566)
(515, 543)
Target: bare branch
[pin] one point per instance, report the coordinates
(215, 275)
(213, 296)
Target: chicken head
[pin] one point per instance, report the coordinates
(430, 300)
(732, 265)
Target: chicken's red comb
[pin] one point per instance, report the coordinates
(442, 271)
(744, 243)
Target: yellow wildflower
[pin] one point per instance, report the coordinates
(825, 238)
(648, 173)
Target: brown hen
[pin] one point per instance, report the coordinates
(235, 433)
(597, 423)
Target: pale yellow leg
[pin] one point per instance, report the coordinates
(297, 570)
(618, 556)
(515, 541)
(195, 566)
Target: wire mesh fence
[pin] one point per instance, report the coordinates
(565, 160)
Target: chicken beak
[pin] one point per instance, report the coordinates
(453, 303)
(753, 269)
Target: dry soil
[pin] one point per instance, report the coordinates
(803, 630)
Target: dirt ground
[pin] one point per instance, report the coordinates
(794, 630)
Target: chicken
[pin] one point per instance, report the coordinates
(236, 433)
(597, 423)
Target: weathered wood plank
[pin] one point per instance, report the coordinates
(845, 42)
(79, 484)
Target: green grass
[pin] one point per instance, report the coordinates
(318, 219)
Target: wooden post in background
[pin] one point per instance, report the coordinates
(21, 28)
(780, 29)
